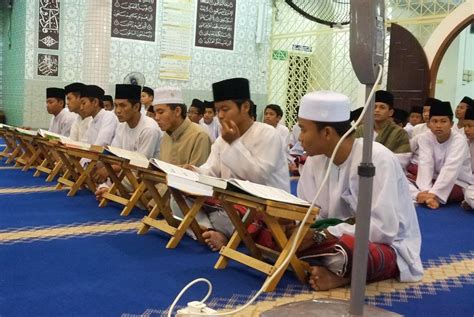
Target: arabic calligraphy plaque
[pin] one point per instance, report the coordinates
(134, 19)
(48, 65)
(215, 24)
(48, 24)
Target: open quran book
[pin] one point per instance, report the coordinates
(135, 158)
(199, 184)
(27, 132)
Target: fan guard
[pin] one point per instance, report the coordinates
(328, 12)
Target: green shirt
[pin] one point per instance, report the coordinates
(391, 136)
(188, 144)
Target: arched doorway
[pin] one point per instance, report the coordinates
(444, 35)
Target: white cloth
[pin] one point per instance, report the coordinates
(213, 129)
(449, 163)
(62, 123)
(256, 156)
(143, 110)
(102, 128)
(284, 134)
(471, 151)
(419, 129)
(167, 95)
(294, 135)
(458, 129)
(393, 218)
(144, 138)
(79, 129)
(409, 129)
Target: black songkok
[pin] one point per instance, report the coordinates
(231, 89)
(74, 87)
(54, 92)
(467, 100)
(385, 97)
(109, 98)
(441, 108)
(93, 91)
(355, 114)
(124, 91)
(416, 109)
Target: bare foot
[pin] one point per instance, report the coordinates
(321, 279)
(215, 239)
(100, 192)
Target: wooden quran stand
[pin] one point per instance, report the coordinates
(77, 176)
(51, 164)
(118, 192)
(10, 142)
(271, 213)
(169, 224)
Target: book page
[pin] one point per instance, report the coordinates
(173, 169)
(267, 192)
(135, 158)
(75, 144)
(213, 181)
(27, 132)
(51, 135)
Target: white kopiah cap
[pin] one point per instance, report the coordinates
(325, 106)
(167, 95)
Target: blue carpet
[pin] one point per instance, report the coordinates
(55, 208)
(445, 231)
(15, 178)
(110, 275)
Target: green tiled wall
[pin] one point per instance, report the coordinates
(13, 51)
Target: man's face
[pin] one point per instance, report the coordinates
(310, 138)
(146, 99)
(271, 117)
(441, 127)
(209, 115)
(73, 102)
(461, 110)
(194, 115)
(415, 118)
(88, 106)
(166, 117)
(108, 105)
(469, 129)
(227, 110)
(54, 105)
(426, 114)
(125, 110)
(382, 112)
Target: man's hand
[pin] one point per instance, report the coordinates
(424, 196)
(229, 132)
(432, 203)
(189, 167)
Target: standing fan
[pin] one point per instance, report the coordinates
(134, 78)
(327, 12)
(366, 18)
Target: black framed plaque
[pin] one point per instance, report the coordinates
(48, 24)
(134, 19)
(215, 24)
(48, 65)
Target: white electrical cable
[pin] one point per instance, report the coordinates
(300, 228)
(186, 288)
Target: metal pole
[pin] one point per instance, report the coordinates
(366, 173)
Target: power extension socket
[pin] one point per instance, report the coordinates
(195, 309)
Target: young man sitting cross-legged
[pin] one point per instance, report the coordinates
(395, 239)
(245, 150)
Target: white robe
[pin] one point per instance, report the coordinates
(393, 218)
(79, 129)
(62, 123)
(419, 129)
(144, 138)
(102, 128)
(256, 156)
(284, 134)
(409, 129)
(459, 130)
(294, 135)
(213, 129)
(449, 163)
